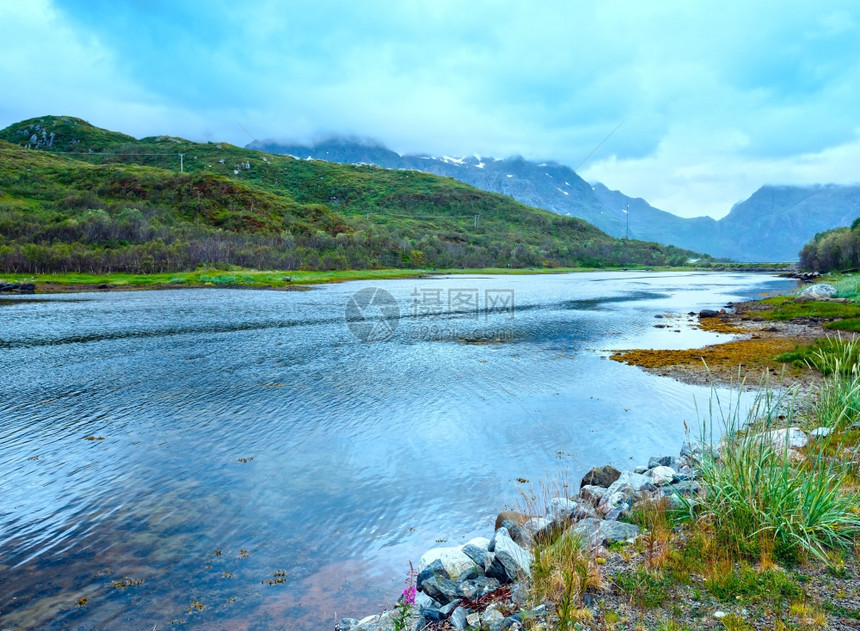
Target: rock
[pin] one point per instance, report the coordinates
(685, 488)
(820, 432)
(592, 494)
(513, 623)
(346, 624)
(479, 556)
(820, 291)
(473, 620)
(458, 618)
(520, 535)
(708, 313)
(491, 620)
(691, 451)
(470, 574)
(563, 509)
(600, 476)
(423, 601)
(661, 475)
(448, 609)
(595, 532)
(442, 590)
(624, 489)
(537, 525)
(380, 622)
(791, 438)
(435, 568)
(662, 461)
(477, 587)
(621, 511)
(453, 560)
(616, 495)
(510, 561)
(640, 469)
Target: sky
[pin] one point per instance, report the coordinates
(715, 99)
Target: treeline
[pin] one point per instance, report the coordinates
(139, 240)
(837, 249)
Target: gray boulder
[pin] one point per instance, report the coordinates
(480, 556)
(477, 587)
(600, 476)
(510, 561)
(595, 532)
(592, 494)
(442, 590)
(820, 291)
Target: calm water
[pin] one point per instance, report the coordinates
(242, 434)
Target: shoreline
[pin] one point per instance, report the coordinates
(303, 280)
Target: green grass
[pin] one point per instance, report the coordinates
(105, 207)
(827, 355)
(759, 500)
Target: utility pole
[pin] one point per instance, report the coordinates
(627, 231)
(181, 162)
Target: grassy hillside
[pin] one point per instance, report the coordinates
(76, 198)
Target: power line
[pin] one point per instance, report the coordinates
(600, 144)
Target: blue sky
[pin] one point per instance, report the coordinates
(717, 98)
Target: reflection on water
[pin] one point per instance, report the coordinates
(248, 437)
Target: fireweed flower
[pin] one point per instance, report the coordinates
(409, 595)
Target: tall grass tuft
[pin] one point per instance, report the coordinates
(758, 498)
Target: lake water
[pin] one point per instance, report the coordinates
(241, 459)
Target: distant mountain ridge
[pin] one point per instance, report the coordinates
(771, 226)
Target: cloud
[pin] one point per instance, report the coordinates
(699, 86)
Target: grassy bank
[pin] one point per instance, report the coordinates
(770, 543)
(263, 279)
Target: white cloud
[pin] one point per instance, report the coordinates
(688, 183)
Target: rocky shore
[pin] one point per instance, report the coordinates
(482, 584)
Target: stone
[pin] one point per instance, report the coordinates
(820, 291)
(510, 561)
(661, 475)
(600, 476)
(618, 494)
(470, 574)
(662, 461)
(537, 525)
(379, 622)
(475, 588)
(641, 469)
(448, 609)
(619, 512)
(563, 509)
(479, 556)
(442, 590)
(491, 620)
(423, 601)
(435, 568)
(791, 438)
(596, 532)
(458, 618)
(519, 534)
(453, 560)
(346, 624)
(708, 313)
(473, 619)
(820, 432)
(684, 488)
(592, 494)
(512, 623)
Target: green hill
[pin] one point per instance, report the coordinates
(76, 198)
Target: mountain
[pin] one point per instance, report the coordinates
(771, 226)
(546, 185)
(74, 197)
